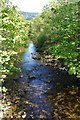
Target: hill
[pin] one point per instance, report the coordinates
(29, 15)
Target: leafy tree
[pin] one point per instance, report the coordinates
(14, 30)
(60, 26)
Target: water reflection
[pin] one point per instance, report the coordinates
(40, 107)
(29, 52)
(34, 73)
(40, 92)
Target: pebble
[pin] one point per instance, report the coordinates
(21, 76)
(24, 115)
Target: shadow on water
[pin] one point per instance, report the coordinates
(32, 96)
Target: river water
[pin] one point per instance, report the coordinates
(37, 76)
(31, 97)
(41, 80)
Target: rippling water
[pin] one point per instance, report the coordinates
(37, 94)
(37, 76)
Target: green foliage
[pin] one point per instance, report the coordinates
(41, 39)
(55, 29)
(14, 29)
(59, 30)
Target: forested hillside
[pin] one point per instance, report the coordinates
(29, 15)
(57, 31)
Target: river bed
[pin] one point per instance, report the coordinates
(41, 92)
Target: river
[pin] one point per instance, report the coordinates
(32, 96)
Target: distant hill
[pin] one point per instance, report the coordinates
(29, 15)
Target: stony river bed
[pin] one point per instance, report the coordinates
(41, 92)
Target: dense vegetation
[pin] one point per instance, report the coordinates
(57, 31)
(13, 29)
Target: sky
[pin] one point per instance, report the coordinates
(30, 5)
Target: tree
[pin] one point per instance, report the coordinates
(14, 29)
(60, 26)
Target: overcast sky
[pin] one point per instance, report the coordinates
(30, 5)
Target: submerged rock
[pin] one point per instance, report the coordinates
(31, 76)
(36, 56)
